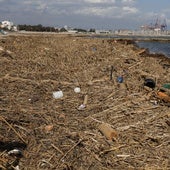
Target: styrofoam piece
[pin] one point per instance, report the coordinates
(58, 94)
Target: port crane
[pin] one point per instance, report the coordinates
(157, 26)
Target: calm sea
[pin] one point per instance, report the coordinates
(156, 47)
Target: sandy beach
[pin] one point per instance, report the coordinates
(107, 117)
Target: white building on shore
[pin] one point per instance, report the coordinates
(102, 31)
(8, 25)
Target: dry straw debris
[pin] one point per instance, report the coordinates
(53, 133)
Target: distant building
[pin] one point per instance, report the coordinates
(8, 25)
(102, 32)
(15, 28)
(72, 31)
(124, 32)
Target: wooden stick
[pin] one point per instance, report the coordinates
(1, 118)
(123, 156)
(112, 107)
(1, 166)
(71, 149)
(98, 121)
(85, 100)
(57, 149)
(111, 72)
(111, 149)
(141, 51)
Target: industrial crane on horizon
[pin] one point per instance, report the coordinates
(157, 26)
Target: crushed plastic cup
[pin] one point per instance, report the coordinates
(58, 94)
(81, 107)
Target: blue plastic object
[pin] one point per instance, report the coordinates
(120, 79)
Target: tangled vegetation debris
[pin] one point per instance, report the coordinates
(52, 133)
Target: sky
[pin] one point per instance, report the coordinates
(86, 14)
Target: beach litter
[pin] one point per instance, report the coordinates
(117, 126)
(167, 86)
(120, 79)
(48, 128)
(58, 94)
(149, 83)
(83, 106)
(108, 131)
(163, 96)
(77, 90)
(15, 152)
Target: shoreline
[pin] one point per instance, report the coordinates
(129, 39)
(134, 40)
(138, 37)
(135, 37)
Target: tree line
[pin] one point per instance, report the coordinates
(41, 28)
(38, 28)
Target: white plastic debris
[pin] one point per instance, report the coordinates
(17, 167)
(77, 89)
(15, 152)
(81, 107)
(58, 94)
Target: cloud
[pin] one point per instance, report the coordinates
(100, 1)
(130, 10)
(33, 3)
(128, 1)
(107, 12)
(75, 11)
(102, 8)
(97, 11)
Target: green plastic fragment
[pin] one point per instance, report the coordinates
(167, 86)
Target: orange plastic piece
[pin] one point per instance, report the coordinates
(163, 96)
(108, 132)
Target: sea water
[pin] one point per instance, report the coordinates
(154, 47)
(159, 47)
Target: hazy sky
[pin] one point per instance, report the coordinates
(99, 14)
